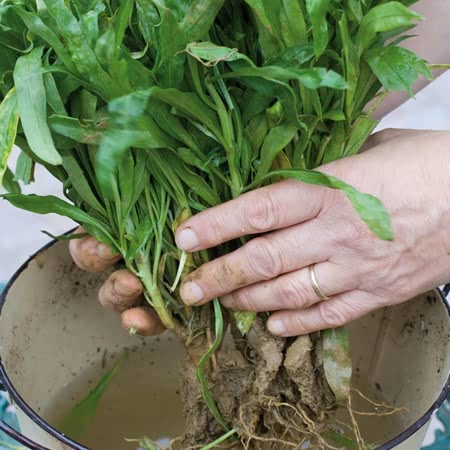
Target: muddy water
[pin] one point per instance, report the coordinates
(375, 429)
(143, 400)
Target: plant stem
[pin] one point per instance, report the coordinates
(220, 440)
(228, 139)
(155, 295)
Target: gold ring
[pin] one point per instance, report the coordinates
(315, 285)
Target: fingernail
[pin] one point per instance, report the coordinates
(186, 239)
(191, 293)
(276, 327)
(227, 301)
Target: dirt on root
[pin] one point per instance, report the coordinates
(271, 390)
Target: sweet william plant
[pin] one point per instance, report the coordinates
(149, 111)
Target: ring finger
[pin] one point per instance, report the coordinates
(290, 291)
(262, 258)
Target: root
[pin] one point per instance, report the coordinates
(356, 430)
(389, 410)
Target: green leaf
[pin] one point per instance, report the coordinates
(200, 18)
(172, 40)
(52, 95)
(31, 99)
(190, 104)
(352, 63)
(9, 120)
(119, 136)
(141, 133)
(341, 440)
(293, 57)
(244, 321)
(142, 235)
(24, 168)
(317, 10)
(361, 130)
(335, 148)
(49, 204)
(9, 184)
(334, 114)
(79, 181)
(383, 18)
(310, 78)
(211, 54)
(269, 26)
(275, 142)
(292, 21)
(397, 68)
(35, 24)
(65, 237)
(369, 208)
(123, 19)
(354, 10)
(337, 363)
(205, 360)
(77, 420)
(84, 59)
(194, 181)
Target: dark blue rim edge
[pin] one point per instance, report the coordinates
(18, 400)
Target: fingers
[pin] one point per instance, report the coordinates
(290, 291)
(91, 255)
(270, 208)
(262, 258)
(332, 313)
(122, 290)
(144, 320)
(389, 134)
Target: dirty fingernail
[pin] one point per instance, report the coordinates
(187, 239)
(191, 293)
(276, 327)
(227, 301)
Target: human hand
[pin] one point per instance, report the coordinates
(122, 291)
(300, 225)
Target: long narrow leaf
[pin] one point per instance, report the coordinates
(77, 420)
(49, 204)
(9, 119)
(337, 362)
(32, 103)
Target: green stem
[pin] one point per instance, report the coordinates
(155, 295)
(205, 360)
(220, 440)
(228, 139)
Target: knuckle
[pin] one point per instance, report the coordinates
(246, 300)
(263, 212)
(263, 258)
(291, 294)
(331, 316)
(297, 325)
(220, 230)
(104, 295)
(385, 134)
(354, 232)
